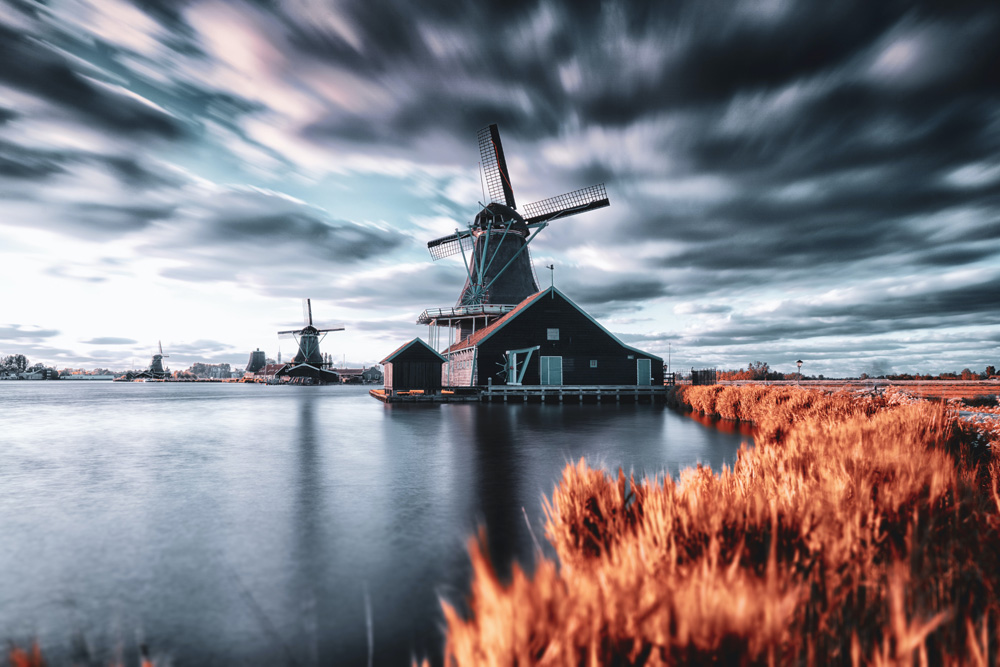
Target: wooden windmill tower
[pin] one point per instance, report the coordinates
(494, 247)
(308, 361)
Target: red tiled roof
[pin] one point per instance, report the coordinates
(475, 338)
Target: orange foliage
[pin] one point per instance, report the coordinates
(21, 658)
(859, 529)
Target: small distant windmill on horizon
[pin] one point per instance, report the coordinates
(156, 368)
(308, 362)
(494, 247)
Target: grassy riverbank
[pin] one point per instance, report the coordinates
(859, 529)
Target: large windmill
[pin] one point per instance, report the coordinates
(495, 245)
(308, 361)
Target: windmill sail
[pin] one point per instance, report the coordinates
(571, 203)
(495, 245)
(446, 246)
(495, 166)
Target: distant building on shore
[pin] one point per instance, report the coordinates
(372, 375)
(40, 374)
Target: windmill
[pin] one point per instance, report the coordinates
(156, 368)
(494, 247)
(308, 361)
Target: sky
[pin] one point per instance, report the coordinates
(788, 180)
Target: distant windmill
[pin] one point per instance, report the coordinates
(498, 266)
(156, 368)
(309, 361)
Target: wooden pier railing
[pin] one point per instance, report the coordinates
(578, 393)
(530, 393)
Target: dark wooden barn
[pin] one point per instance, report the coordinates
(548, 340)
(414, 366)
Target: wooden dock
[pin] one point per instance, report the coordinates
(531, 394)
(470, 395)
(575, 393)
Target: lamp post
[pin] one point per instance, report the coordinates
(799, 377)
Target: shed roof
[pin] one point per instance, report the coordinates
(406, 346)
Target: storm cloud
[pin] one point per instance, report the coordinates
(784, 176)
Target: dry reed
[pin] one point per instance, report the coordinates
(859, 529)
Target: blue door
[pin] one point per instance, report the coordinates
(643, 372)
(551, 370)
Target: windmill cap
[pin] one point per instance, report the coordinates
(501, 213)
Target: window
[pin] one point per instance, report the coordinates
(593, 363)
(552, 334)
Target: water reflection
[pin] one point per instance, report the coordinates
(309, 580)
(247, 523)
(496, 483)
(723, 425)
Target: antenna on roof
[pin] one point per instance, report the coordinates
(552, 276)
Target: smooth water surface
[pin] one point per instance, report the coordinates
(251, 524)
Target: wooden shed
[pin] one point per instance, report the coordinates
(548, 340)
(413, 367)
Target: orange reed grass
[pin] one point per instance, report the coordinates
(855, 531)
(20, 657)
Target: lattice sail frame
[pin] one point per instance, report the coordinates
(571, 203)
(495, 171)
(537, 214)
(451, 245)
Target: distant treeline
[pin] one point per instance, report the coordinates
(759, 370)
(964, 374)
(14, 364)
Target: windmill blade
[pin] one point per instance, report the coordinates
(571, 203)
(290, 332)
(161, 346)
(332, 329)
(307, 312)
(495, 166)
(446, 246)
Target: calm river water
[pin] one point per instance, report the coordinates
(246, 524)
